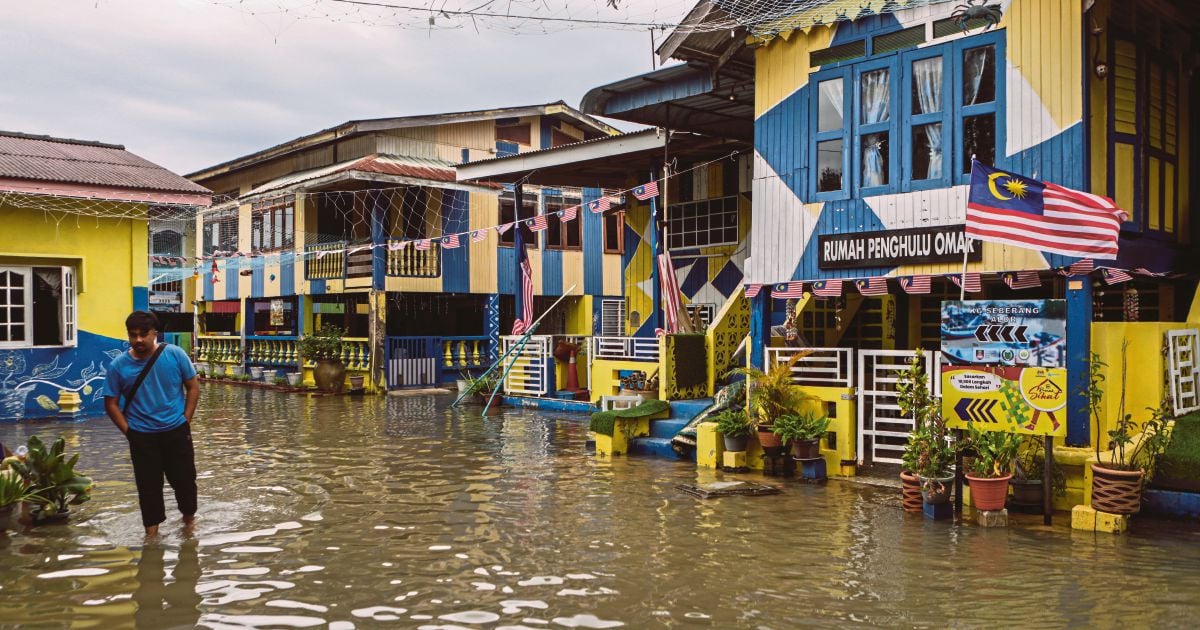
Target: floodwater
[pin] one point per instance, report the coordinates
(346, 512)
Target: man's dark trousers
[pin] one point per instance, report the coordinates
(155, 454)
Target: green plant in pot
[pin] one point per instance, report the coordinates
(1029, 470)
(13, 491)
(324, 348)
(1120, 473)
(735, 427)
(772, 395)
(928, 456)
(50, 478)
(480, 388)
(991, 465)
(803, 431)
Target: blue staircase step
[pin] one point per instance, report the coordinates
(666, 428)
(688, 409)
(653, 446)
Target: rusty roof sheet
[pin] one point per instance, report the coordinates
(43, 158)
(414, 167)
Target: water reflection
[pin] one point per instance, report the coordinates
(347, 512)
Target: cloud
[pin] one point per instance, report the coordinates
(191, 84)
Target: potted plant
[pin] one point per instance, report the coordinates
(735, 427)
(256, 373)
(928, 456)
(294, 378)
(357, 381)
(772, 395)
(1029, 470)
(991, 466)
(324, 348)
(51, 479)
(279, 381)
(12, 492)
(480, 389)
(1121, 472)
(803, 431)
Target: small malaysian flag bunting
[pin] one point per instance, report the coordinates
(501, 229)
(1022, 279)
(599, 205)
(570, 213)
(1142, 271)
(450, 242)
(538, 223)
(871, 286)
(974, 282)
(752, 290)
(422, 244)
(794, 289)
(397, 245)
(478, 235)
(1115, 276)
(827, 288)
(915, 285)
(646, 191)
(1079, 268)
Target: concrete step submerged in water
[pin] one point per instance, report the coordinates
(653, 446)
(666, 428)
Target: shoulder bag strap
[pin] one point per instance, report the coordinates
(141, 377)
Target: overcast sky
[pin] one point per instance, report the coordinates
(187, 84)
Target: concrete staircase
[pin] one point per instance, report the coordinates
(661, 431)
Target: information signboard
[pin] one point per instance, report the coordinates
(1026, 400)
(1005, 332)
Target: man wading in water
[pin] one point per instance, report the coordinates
(156, 418)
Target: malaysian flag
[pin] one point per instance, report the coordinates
(478, 235)
(915, 285)
(827, 288)
(1142, 271)
(599, 205)
(569, 214)
(974, 282)
(752, 290)
(422, 244)
(1022, 279)
(523, 323)
(670, 291)
(646, 191)
(450, 242)
(871, 286)
(501, 229)
(538, 223)
(794, 289)
(397, 245)
(1115, 276)
(1078, 268)
(1007, 208)
(215, 277)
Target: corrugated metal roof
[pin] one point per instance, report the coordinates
(43, 158)
(613, 138)
(417, 168)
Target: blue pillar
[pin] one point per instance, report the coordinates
(760, 327)
(1079, 352)
(655, 281)
(491, 326)
(518, 247)
(379, 210)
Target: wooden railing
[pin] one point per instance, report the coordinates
(271, 350)
(410, 262)
(219, 349)
(326, 261)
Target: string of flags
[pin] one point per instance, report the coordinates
(922, 284)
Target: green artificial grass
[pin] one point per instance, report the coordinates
(1180, 463)
(603, 422)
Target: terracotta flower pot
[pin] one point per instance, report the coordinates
(989, 493)
(329, 375)
(767, 439)
(910, 489)
(806, 449)
(1116, 491)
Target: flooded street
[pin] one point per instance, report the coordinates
(347, 512)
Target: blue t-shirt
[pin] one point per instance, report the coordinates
(158, 404)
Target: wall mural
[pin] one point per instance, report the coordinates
(32, 380)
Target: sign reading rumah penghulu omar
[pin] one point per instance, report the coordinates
(1004, 332)
(889, 248)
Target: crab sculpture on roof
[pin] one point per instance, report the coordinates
(976, 10)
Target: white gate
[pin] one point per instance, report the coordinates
(816, 367)
(882, 432)
(530, 373)
(1183, 373)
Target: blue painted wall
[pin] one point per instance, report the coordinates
(31, 379)
(456, 263)
(593, 245)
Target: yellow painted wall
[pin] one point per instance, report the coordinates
(1146, 367)
(110, 257)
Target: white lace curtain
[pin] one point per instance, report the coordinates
(927, 73)
(876, 105)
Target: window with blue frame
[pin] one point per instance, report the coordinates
(908, 119)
